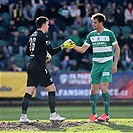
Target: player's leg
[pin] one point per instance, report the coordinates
(31, 86)
(51, 97)
(25, 103)
(93, 101)
(95, 83)
(26, 99)
(106, 96)
(44, 79)
(51, 101)
(106, 79)
(106, 99)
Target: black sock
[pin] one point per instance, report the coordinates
(51, 101)
(25, 102)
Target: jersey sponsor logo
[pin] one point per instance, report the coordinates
(99, 38)
(99, 44)
(47, 42)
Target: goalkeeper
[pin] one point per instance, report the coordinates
(40, 50)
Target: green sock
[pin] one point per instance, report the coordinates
(106, 99)
(93, 102)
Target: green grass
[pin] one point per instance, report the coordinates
(70, 112)
(121, 118)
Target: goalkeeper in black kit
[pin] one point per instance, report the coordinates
(40, 51)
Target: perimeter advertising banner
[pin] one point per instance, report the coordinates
(76, 85)
(12, 84)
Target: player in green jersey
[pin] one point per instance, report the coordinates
(102, 41)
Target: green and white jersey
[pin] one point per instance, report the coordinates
(102, 45)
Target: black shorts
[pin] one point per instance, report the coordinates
(38, 76)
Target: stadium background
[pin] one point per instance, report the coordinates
(70, 70)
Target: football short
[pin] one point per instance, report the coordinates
(101, 72)
(37, 76)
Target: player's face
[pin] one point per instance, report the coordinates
(96, 24)
(46, 26)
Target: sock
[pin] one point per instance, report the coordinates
(25, 102)
(93, 102)
(53, 113)
(51, 101)
(106, 99)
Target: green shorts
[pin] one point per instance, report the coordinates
(101, 72)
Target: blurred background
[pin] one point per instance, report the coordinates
(70, 70)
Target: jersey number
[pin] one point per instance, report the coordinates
(32, 43)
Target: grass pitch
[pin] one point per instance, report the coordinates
(121, 119)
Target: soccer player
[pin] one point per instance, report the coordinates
(37, 49)
(101, 40)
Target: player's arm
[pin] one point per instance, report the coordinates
(52, 51)
(117, 51)
(85, 46)
(67, 44)
(116, 58)
(81, 49)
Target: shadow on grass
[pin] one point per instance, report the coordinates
(123, 126)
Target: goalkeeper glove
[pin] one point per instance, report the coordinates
(48, 57)
(68, 44)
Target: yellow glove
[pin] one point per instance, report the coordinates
(48, 57)
(68, 44)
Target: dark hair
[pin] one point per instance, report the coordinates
(40, 21)
(99, 16)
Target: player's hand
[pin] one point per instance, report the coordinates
(48, 57)
(68, 44)
(114, 68)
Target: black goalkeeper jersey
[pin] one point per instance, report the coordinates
(38, 46)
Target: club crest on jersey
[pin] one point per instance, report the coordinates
(47, 42)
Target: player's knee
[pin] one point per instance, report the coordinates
(104, 90)
(94, 91)
(51, 88)
(104, 87)
(30, 90)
